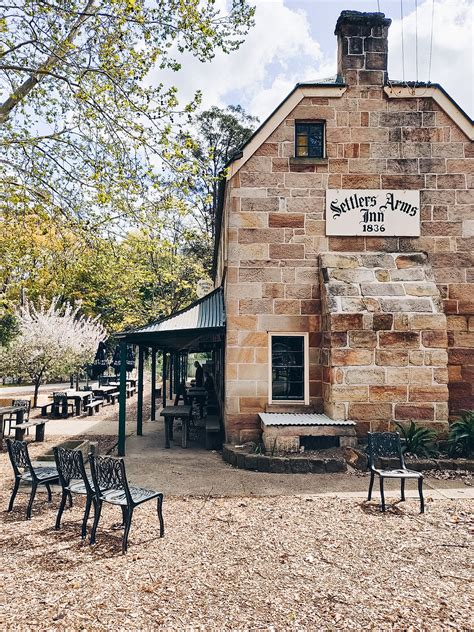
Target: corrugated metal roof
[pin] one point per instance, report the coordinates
(206, 313)
(300, 419)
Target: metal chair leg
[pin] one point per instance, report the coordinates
(382, 494)
(98, 509)
(371, 485)
(62, 504)
(420, 491)
(86, 517)
(124, 514)
(34, 487)
(402, 485)
(69, 495)
(48, 489)
(159, 509)
(14, 493)
(127, 529)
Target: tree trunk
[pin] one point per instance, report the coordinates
(37, 383)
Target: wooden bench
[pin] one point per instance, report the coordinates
(37, 423)
(112, 397)
(93, 406)
(213, 429)
(44, 409)
(131, 391)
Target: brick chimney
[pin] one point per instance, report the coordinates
(362, 48)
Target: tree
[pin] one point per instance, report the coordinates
(79, 114)
(52, 341)
(219, 134)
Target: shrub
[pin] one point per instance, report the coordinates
(418, 440)
(461, 435)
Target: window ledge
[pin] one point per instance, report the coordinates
(305, 160)
(289, 407)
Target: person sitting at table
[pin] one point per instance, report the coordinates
(199, 377)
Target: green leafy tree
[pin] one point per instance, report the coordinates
(81, 110)
(219, 134)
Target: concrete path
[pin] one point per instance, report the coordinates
(196, 471)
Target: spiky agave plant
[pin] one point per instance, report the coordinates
(418, 440)
(461, 435)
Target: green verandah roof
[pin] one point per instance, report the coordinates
(190, 328)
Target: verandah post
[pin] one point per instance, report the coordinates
(140, 392)
(153, 384)
(122, 397)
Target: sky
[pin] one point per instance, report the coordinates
(294, 41)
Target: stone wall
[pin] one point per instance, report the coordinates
(275, 231)
(384, 341)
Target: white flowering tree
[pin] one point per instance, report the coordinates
(54, 340)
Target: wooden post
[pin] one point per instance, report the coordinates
(164, 379)
(122, 398)
(153, 384)
(140, 392)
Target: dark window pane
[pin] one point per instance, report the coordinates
(310, 140)
(287, 367)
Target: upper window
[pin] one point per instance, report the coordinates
(289, 367)
(309, 139)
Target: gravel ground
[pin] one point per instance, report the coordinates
(305, 563)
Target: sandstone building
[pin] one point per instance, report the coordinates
(345, 249)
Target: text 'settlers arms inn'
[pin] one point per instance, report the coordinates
(345, 241)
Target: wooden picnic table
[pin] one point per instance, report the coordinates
(5, 410)
(80, 398)
(169, 413)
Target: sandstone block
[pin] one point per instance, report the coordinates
(382, 289)
(286, 220)
(286, 306)
(406, 305)
(255, 306)
(408, 274)
(261, 235)
(434, 393)
(421, 289)
(382, 322)
(260, 274)
(336, 260)
(391, 358)
(363, 338)
(351, 357)
(411, 411)
(339, 393)
(352, 275)
(388, 393)
(286, 251)
(369, 412)
(365, 376)
(399, 339)
(437, 338)
(426, 321)
(344, 322)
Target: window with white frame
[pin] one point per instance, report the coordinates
(289, 371)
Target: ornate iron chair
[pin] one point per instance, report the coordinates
(111, 485)
(387, 444)
(74, 480)
(11, 417)
(26, 473)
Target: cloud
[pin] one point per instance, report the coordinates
(277, 53)
(452, 58)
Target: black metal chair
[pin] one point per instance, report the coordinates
(74, 480)
(26, 473)
(111, 485)
(387, 444)
(11, 417)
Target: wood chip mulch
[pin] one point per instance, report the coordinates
(301, 563)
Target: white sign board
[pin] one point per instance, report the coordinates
(373, 212)
(203, 287)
